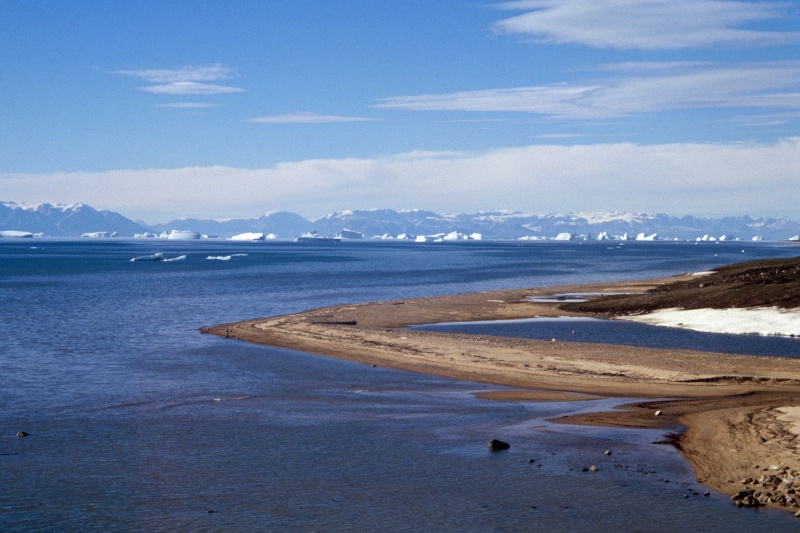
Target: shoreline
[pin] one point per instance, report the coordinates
(728, 403)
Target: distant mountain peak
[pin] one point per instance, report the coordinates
(71, 220)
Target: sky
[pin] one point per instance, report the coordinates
(230, 109)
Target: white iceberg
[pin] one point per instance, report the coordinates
(180, 235)
(350, 234)
(248, 237)
(159, 257)
(12, 234)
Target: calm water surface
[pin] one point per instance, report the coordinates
(139, 423)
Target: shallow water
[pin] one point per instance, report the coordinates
(139, 423)
(627, 333)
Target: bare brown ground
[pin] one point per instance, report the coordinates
(729, 401)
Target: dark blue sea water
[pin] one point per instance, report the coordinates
(139, 423)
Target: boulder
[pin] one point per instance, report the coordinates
(498, 445)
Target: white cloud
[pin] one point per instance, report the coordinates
(188, 73)
(187, 105)
(307, 118)
(646, 24)
(190, 87)
(185, 80)
(703, 179)
(688, 86)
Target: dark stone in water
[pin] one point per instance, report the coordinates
(22, 434)
(498, 445)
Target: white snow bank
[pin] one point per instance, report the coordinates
(757, 320)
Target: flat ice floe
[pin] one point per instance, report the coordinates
(757, 320)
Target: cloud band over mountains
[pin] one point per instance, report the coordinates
(680, 178)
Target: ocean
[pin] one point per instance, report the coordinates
(138, 422)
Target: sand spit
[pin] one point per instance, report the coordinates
(732, 399)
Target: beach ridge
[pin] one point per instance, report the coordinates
(735, 394)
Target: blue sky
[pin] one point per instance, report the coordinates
(231, 109)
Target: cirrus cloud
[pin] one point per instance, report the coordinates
(646, 24)
(676, 86)
(307, 118)
(185, 80)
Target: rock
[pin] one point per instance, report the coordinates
(747, 498)
(498, 445)
(658, 413)
(22, 434)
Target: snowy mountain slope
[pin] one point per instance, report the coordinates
(76, 219)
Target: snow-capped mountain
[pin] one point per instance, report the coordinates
(58, 220)
(514, 225)
(78, 219)
(281, 223)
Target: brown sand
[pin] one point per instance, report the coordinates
(733, 397)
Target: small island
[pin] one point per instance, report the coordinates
(741, 413)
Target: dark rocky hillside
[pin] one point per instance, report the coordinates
(768, 283)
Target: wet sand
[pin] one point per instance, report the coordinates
(728, 403)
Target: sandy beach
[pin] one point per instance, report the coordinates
(741, 412)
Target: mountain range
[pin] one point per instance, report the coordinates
(55, 220)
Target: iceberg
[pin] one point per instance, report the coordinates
(643, 237)
(248, 237)
(99, 234)
(350, 234)
(564, 237)
(180, 235)
(11, 234)
(159, 257)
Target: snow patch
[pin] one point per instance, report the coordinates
(756, 320)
